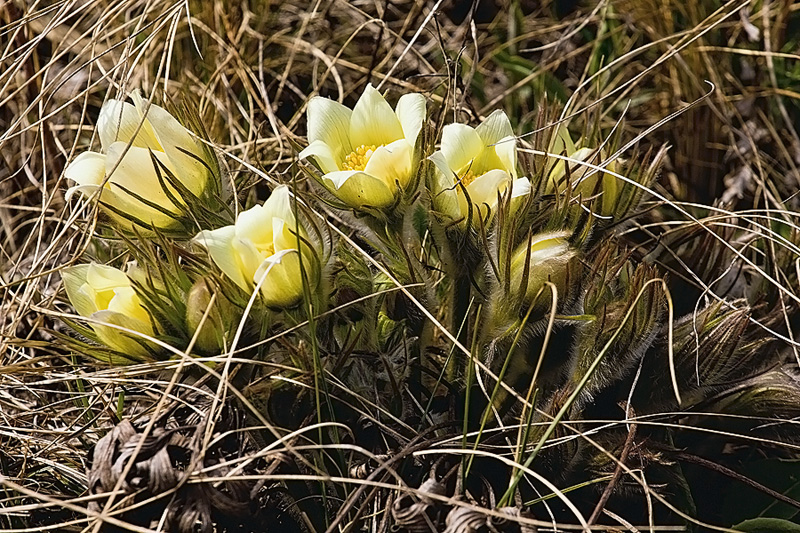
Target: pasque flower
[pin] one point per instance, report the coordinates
(582, 178)
(476, 163)
(125, 172)
(367, 154)
(105, 295)
(262, 247)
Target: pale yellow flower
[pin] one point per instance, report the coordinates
(262, 247)
(479, 163)
(582, 178)
(367, 154)
(105, 294)
(132, 179)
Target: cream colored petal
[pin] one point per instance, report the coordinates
(282, 284)
(280, 204)
(329, 122)
(506, 150)
(74, 278)
(359, 189)
(255, 224)
(445, 197)
(136, 173)
(118, 121)
(219, 243)
(249, 256)
(132, 343)
(323, 155)
(392, 163)
(411, 112)
(577, 170)
(373, 122)
(495, 127)
(484, 189)
(520, 187)
(176, 141)
(126, 302)
(103, 278)
(460, 145)
(89, 168)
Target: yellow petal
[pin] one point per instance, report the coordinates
(219, 243)
(329, 122)
(460, 145)
(392, 163)
(373, 122)
(484, 190)
(118, 121)
(359, 189)
(411, 112)
(89, 168)
(136, 173)
(282, 284)
(176, 141)
(131, 343)
(74, 278)
(323, 155)
(494, 128)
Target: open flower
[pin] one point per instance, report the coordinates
(583, 179)
(262, 248)
(105, 294)
(367, 154)
(125, 172)
(479, 163)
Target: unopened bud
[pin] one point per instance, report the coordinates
(215, 330)
(544, 258)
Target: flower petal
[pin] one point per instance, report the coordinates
(359, 189)
(118, 121)
(176, 141)
(495, 127)
(410, 111)
(506, 151)
(323, 156)
(136, 173)
(460, 145)
(484, 190)
(373, 122)
(392, 163)
(219, 243)
(130, 343)
(74, 278)
(329, 122)
(282, 284)
(89, 168)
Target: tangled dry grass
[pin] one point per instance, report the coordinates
(185, 445)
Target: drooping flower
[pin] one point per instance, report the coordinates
(582, 178)
(261, 248)
(366, 155)
(105, 295)
(479, 163)
(125, 173)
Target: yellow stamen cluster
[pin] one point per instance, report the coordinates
(357, 159)
(466, 177)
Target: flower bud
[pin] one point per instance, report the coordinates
(545, 257)
(263, 249)
(135, 140)
(105, 294)
(582, 178)
(216, 331)
(367, 154)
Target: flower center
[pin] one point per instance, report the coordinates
(467, 178)
(357, 159)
